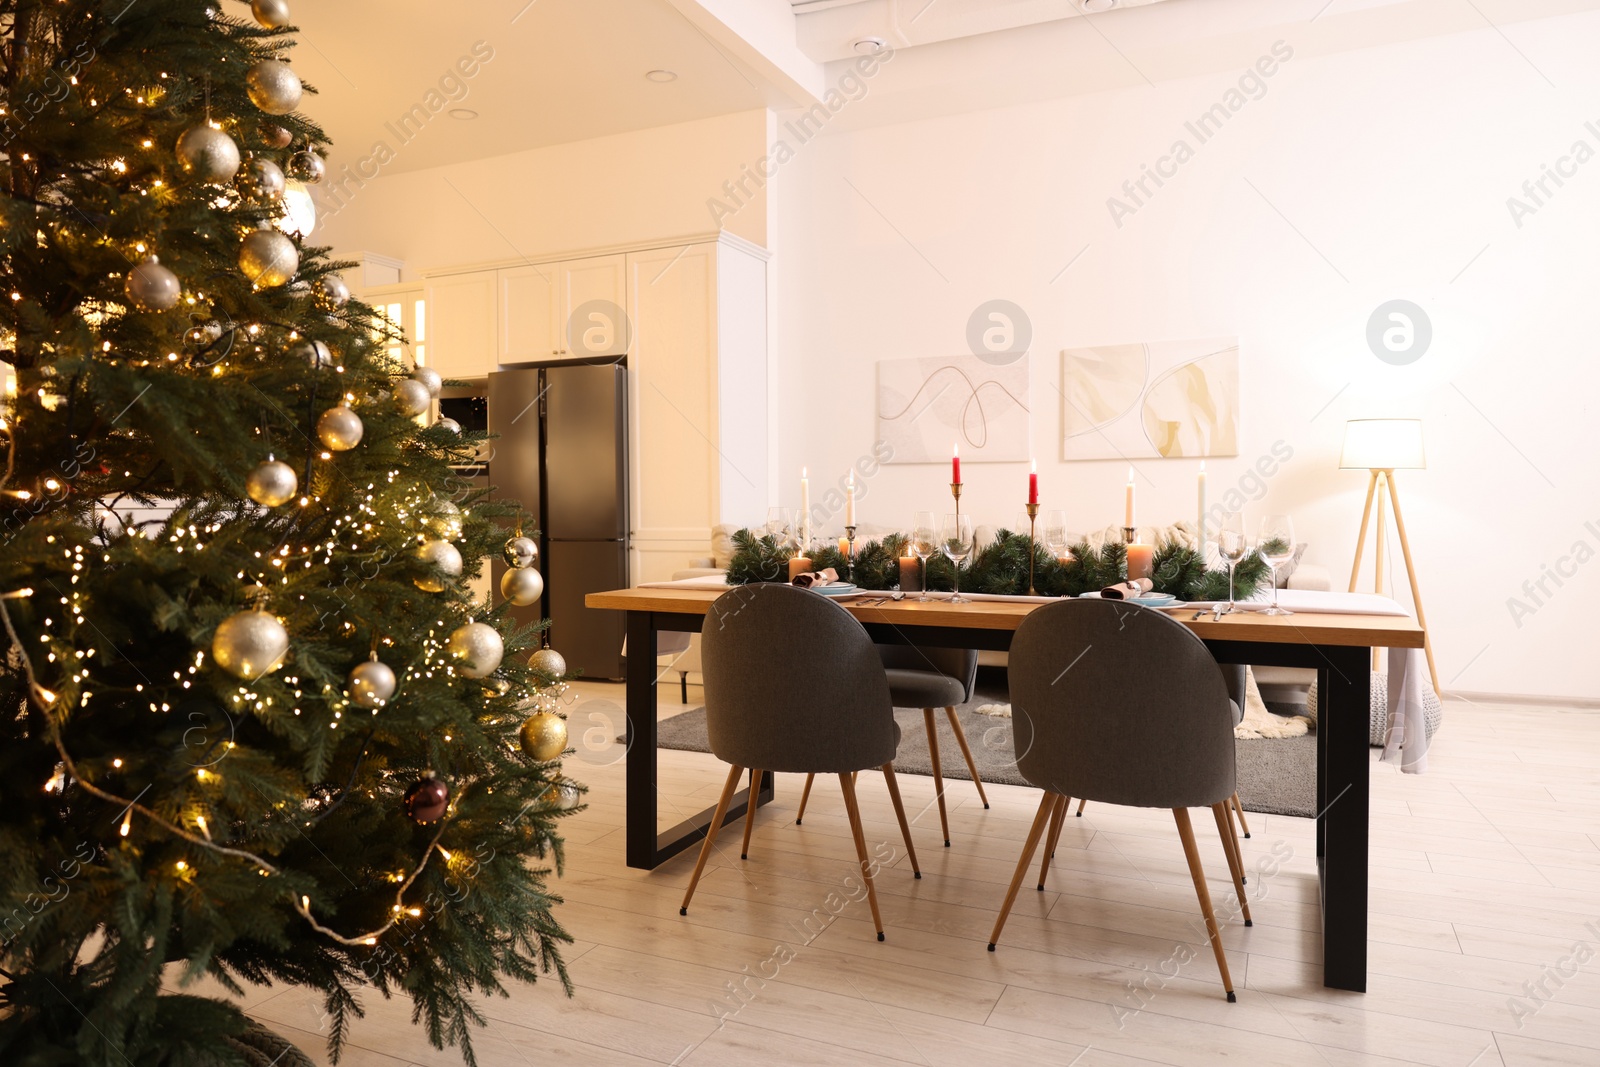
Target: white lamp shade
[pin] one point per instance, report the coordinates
(1383, 444)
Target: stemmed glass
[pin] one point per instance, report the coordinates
(780, 525)
(955, 541)
(1055, 533)
(1233, 545)
(1276, 547)
(925, 543)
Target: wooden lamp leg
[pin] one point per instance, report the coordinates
(723, 803)
(1411, 573)
(805, 795)
(900, 814)
(938, 774)
(847, 783)
(1361, 540)
(966, 751)
(1047, 805)
(750, 813)
(1192, 853)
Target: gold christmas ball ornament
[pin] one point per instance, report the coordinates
(272, 483)
(521, 551)
(306, 166)
(268, 258)
(444, 520)
(250, 644)
(315, 354)
(208, 154)
(443, 561)
(370, 684)
(273, 86)
(497, 687)
(153, 287)
(411, 397)
(522, 586)
(339, 429)
(476, 649)
(548, 661)
(431, 380)
(273, 14)
(334, 290)
(261, 179)
(544, 736)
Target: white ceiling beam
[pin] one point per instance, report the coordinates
(760, 36)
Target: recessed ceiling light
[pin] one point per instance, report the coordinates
(661, 75)
(1094, 7)
(868, 46)
(462, 113)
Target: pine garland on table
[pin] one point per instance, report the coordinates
(1001, 568)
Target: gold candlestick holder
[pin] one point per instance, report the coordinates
(1129, 533)
(1033, 545)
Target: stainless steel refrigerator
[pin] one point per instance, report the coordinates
(562, 451)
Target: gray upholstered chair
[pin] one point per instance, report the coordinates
(1117, 703)
(929, 678)
(793, 683)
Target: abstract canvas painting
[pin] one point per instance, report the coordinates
(926, 405)
(1149, 400)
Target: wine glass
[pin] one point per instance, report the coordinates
(1233, 545)
(780, 525)
(1055, 533)
(955, 541)
(1277, 548)
(925, 543)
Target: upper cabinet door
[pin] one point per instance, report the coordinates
(461, 324)
(529, 300)
(592, 320)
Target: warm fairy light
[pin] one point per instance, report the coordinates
(414, 912)
(202, 774)
(182, 866)
(127, 823)
(445, 853)
(117, 762)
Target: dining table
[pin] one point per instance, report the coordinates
(1338, 646)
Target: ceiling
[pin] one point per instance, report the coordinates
(562, 70)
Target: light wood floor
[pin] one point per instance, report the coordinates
(1485, 878)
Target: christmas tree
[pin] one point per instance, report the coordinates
(253, 723)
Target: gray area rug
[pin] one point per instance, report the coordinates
(1276, 776)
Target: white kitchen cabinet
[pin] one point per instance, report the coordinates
(592, 311)
(462, 327)
(529, 298)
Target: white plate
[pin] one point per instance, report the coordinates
(835, 589)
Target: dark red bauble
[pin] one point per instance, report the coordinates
(426, 801)
(276, 136)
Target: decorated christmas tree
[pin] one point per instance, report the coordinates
(254, 724)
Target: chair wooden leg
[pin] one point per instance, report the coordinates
(1230, 846)
(750, 813)
(1057, 817)
(966, 751)
(938, 774)
(1240, 809)
(1233, 832)
(900, 814)
(1081, 803)
(723, 803)
(847, 783)
(1192, 853)
(805, 795)
(1047, 805)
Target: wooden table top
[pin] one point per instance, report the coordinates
(1301, 628)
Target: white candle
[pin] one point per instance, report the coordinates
(1127, 510)
(850, 501)
(1200, 522)
(805, 510)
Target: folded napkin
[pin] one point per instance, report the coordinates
(826, 576)
(1127, 590)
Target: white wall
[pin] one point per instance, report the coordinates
(625, 189)
(1356, 178)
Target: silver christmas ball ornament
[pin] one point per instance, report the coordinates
(476, 649)
(268, 258)
(261, 179)
(340, 429)
(315, 354)
(153, 287)
(548, 661)
(208, 154)
(431, 380)
(522, 586)
(250, 644)
(449, 424)
(444, 520)
(370, 684)
(273, 86)
(334, 290)
(272, 483)
(273, 14)
(521, 551)
(306, 166)
(443, 561)
(411, 397)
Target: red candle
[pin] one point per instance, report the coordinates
(1033, 481)
(955, 464)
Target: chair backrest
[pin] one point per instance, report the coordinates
(793, 683)
(1120, 704)
(958, 663)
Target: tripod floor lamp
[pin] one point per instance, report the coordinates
(1381, 447)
